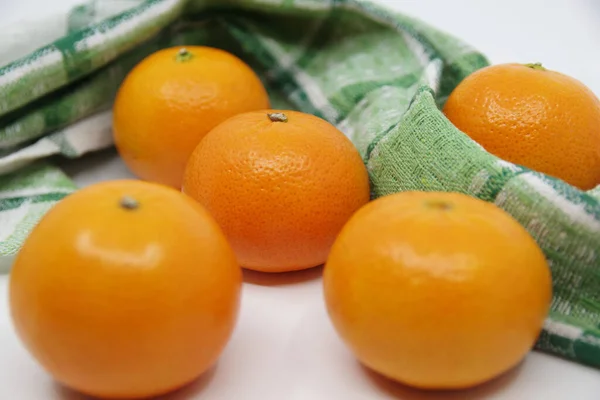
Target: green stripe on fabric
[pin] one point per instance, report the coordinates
(396, 21)
(66, 149)
(91, 95)
(556, 344)
(592, 304)
(456, 72)
(279, 80)
(80, 58)
(495, 183)
(10, 204)
(89, 58)
(76, 63)
(71, 103)
(587, 349)
(349, 96)
(34, 76)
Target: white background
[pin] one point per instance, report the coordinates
(284, 347)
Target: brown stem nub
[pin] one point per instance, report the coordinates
(183, 55)
(277, 117)
(129, 203)
(439, 205)
(537, 66)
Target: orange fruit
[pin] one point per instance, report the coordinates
(171, 99)
(281, 184)
(125, 289)
(528, 115)
(436, 290)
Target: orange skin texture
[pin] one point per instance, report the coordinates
(541, 119)
(436, 290)
(281, 191)
(125, 303)
(165, 106)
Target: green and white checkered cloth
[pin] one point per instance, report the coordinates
(380, 76)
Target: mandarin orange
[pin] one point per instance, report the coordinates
(529, 115)
(171, 99)
(281, 184)
(125, 289)
(436, 290)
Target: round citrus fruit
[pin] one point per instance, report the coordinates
(125, 289)
(281, 184)
(528, 115)
(171, 99)
(436, 290)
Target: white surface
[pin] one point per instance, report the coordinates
(284, 347)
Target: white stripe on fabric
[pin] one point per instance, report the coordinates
(593, 340)
(315, 5)
(478, 182)
(92, 133)
(433, 73)
(562, 306)
(507, 165)
(32, 191)
(562, 330)
(19, 233)
(575, 211)
(314, 93)
(416, 48)
(310, 5)
(46, 59)
(125, 27)
(10, 219)
(18, 159)
(414, 45)
(286, 62)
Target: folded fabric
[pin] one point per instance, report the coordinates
(379, 76)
